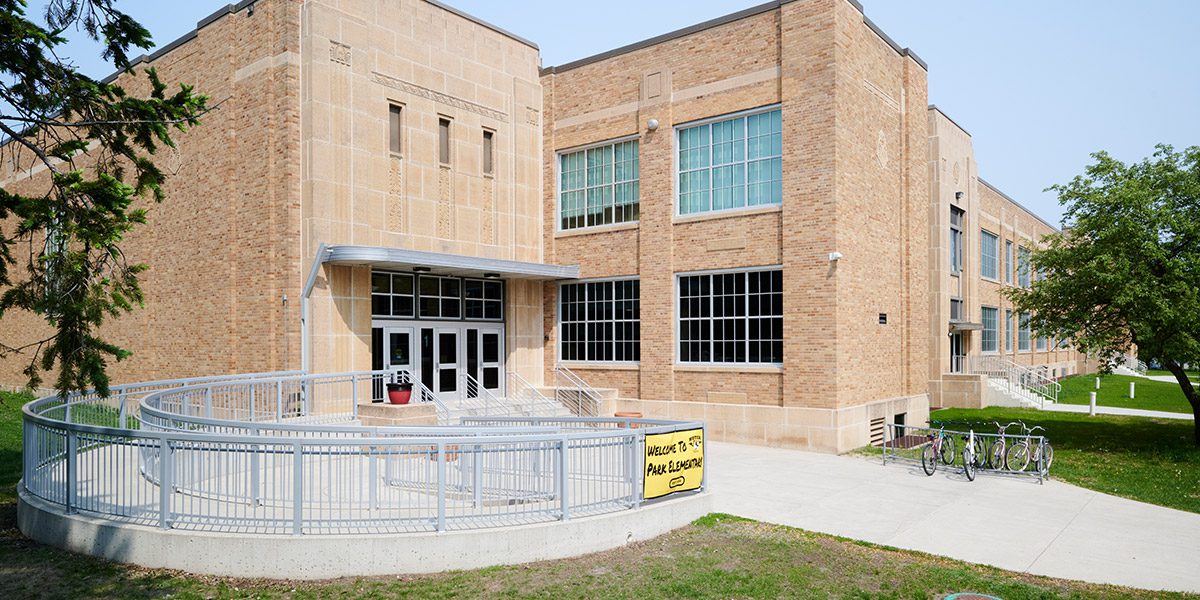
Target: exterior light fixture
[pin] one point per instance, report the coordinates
(958, 195)
(652, 124)
(835, 256)
(421, 269)
(491, 276)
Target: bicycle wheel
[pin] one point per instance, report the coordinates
(928, 460)
(1017, 457)
(948, 450)
(969, 463)
(980, 451)
(1045, 458)
(996, 456)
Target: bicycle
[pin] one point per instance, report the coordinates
(939, 445)
(997, 453)
(970, 458)
(1022, 452)
(946, 448)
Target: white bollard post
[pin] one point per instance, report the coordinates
(1097, 383)
(1092, 405)
(1131, 390)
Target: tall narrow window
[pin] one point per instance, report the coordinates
(599, 186)
(444, 141)
(1008, 261)
(990, 341)
(1008, 330)
(1023, 267)
(989, 262)
(1026, 332)
(956, 240)
(395, 113)
(488, 153)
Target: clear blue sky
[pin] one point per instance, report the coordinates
(1039, 84)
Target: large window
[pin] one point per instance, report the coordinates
(989, 259)
(989, 340)
(599, 186)
(956, 240)
(731, 317)
(600, 321)
(1025, 333)
(1023, 267)
(732, 163)
(1008, 261)
(409, 296)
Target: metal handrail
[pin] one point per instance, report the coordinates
(283, 475)
(574, 396)
(1032, 383)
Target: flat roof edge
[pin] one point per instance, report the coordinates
(717, 22)
(483, 23)
(949, 118)
(1019, 205)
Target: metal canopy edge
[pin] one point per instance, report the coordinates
(451, 264)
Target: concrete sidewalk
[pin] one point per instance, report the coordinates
(1054, 529)
(1117, 410)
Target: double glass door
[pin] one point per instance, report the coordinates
(441, 356)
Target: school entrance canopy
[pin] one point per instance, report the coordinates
(443, 264)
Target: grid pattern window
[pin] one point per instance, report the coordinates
(483, 299)
(392, 295)
(989, 259)
(734, 163)
(731, 317)
(1008, 330)
(990, 339)
(1041, 343)
(599, 186)
(600, 321)
(1023, 267)
(956, 309)
(441, 297)
(1025, 333)
(1008, 261)
(956, 240)
(395, 128)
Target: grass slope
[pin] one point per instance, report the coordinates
(718, 556)
(1114, 391)
(1151, 460)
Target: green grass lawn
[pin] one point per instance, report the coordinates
(1193, 374)
(1151, 460)
(718, 556)
(1114, 391)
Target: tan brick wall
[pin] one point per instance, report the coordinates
(223, 249)
(854, 182)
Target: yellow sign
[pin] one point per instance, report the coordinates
(674, 463)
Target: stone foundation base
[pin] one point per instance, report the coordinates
(819, 429)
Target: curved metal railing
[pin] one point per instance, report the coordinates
(279, 453)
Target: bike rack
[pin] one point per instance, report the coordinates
(905, 443)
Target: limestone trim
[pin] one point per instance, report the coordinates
(436, 96)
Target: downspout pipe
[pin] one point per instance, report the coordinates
(306, 310)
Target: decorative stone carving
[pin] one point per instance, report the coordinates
(339, 53)
(439, 97)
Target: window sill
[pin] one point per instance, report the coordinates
(596, 229)
(990, 280)
(725, 214)
(602, 366)
(729, 368)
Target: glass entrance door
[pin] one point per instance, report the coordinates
(446, 363)
(485, 358)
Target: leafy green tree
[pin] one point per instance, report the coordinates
(60, 246)
(1126, 270)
